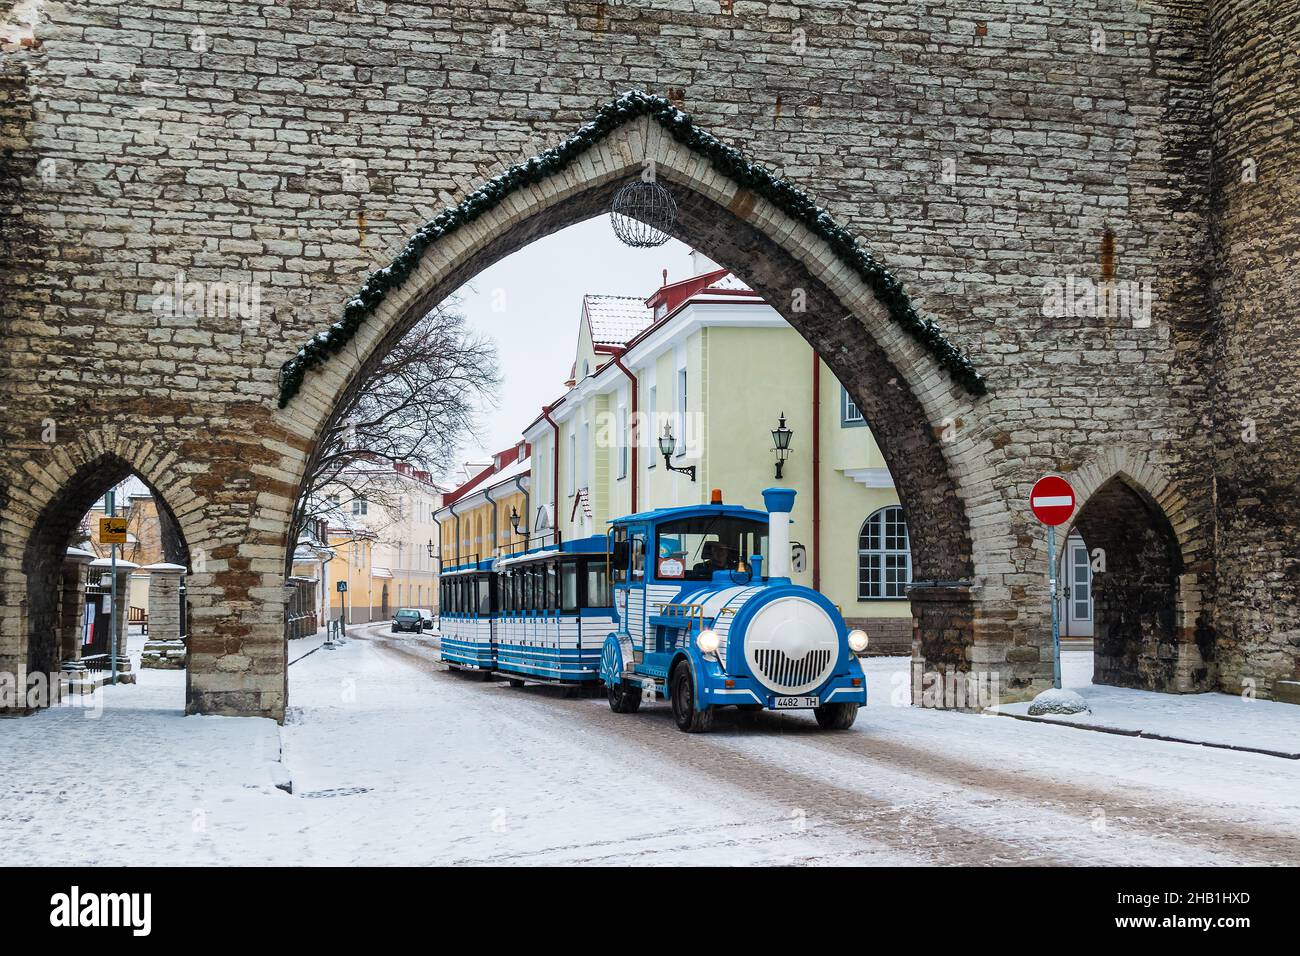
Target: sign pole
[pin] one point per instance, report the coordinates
(111, 508)
(1056, 621)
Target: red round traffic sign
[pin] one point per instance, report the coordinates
(1052, 500)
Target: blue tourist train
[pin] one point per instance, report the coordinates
(694, 605)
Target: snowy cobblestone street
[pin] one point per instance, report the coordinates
(394, 760)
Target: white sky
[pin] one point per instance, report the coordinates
(530, 302)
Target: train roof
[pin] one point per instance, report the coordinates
(691, 511)
(594, 544)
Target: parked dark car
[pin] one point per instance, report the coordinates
(408, 619)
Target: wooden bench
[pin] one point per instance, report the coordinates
(138, 615)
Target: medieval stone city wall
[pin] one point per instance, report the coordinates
(987, 155)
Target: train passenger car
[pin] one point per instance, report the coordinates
(555, 610)
(466, 624)
(708, 617)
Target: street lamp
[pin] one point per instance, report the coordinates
(781, 443)
(430, 547)
(667, 445)
(514, 521)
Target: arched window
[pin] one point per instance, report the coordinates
(884, 556)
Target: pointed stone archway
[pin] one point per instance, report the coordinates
(1149, 629)
(44, 513)
(920, 393)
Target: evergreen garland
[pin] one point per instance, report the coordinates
(730, 162)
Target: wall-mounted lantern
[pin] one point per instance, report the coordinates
(668, 445)
(781, 443)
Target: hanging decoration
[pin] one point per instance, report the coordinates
(725, 159)
(643, 214)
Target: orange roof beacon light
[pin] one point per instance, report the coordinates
(716, 498)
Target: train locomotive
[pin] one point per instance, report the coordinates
(694, 605)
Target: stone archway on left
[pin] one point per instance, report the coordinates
(44, 513)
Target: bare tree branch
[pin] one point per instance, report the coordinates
(418, 404)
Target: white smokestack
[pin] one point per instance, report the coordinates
(779, 503)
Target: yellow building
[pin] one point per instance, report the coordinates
(707, 365)
(352, 562)
(386, 538)
(488, 513)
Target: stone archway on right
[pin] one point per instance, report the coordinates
(1148, 632)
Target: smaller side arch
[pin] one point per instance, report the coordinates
(1148, 628)
(43, 512)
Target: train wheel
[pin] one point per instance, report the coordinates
(623, 697)
(836, 716)
(688, 719)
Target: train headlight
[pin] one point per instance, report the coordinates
(707, 640)
(858, 641)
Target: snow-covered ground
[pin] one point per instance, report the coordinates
(1219, 719)
(394, 760)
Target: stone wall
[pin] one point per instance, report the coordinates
(1255, 406)
(983, 154)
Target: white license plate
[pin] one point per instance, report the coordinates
(795, 703)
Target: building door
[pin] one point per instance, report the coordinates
(1076, 594)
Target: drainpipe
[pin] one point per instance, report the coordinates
(633, 437)
(555, 476)
(817, 472)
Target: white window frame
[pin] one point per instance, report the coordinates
(850, 415)
(652, 420)
(585, 451)
(573, 461)
(682, 382)
(622, 441)
(879, 557)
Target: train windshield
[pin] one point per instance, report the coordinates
(692, 549)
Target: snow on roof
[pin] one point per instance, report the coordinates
(730, 282)
(614, 319)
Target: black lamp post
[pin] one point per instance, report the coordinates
(430, 547)
(667, 445)
(514, 519)
(781, 443)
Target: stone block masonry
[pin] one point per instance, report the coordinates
(194, 190)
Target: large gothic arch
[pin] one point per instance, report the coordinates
(920, 393)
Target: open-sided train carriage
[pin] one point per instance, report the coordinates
(554, 612)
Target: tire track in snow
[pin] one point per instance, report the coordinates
(855, 814)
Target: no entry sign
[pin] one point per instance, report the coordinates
(1052, 500)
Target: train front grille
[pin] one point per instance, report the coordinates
(783, 673)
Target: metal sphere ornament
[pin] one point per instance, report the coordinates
(643, 214)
